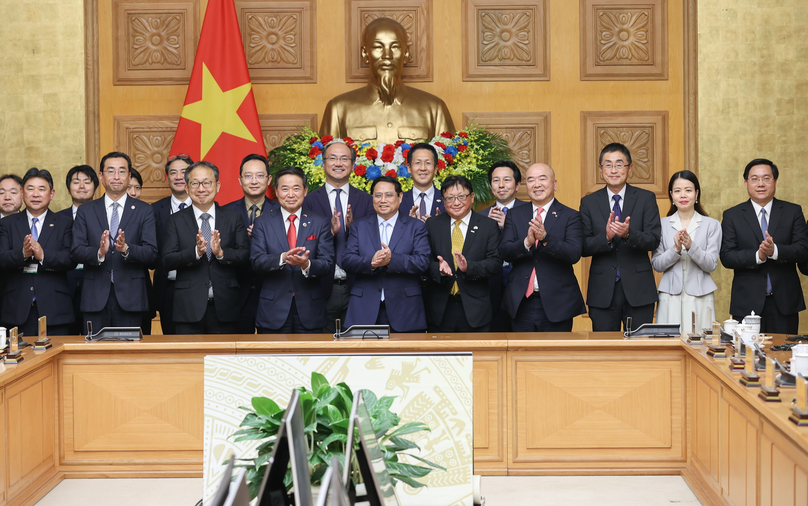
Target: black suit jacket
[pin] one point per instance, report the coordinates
(190, 289)
(407, 203)
(630, 255)
(742, 237)
(481, 249)
(558, 286)
(75, 277)
(137, 222)
(49, 284)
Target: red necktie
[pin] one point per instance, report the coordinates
(291, 234)
(532, 279)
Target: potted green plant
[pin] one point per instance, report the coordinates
(326, 410)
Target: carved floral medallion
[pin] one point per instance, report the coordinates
(273, 40)
(623, 36)
(505, 36)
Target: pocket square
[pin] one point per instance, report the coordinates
(311, 237)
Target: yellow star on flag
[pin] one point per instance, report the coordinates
(217, 112)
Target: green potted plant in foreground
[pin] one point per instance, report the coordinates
(326, 410)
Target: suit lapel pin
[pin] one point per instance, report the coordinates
(554, 213)
(133, 207)
(50, 225)
(305, 224)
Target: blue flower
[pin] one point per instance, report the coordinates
(402, 171)
(373, 172)
(451, 150)
(405, 147)
(318, 160)
(318, 144)
(365, 144)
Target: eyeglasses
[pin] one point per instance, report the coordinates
(618, 166)
(388, 196)
(207, 184)
(459, 198)
(342, 159)
(179, 157)
(423, 163)
(764, 179)
(257, 177)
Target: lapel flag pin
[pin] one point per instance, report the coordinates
(304, 224)
(133, 207)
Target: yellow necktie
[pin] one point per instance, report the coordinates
(457, 245)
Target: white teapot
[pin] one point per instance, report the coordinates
(753, 321)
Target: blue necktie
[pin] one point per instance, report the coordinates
(340, 239)
(206, 233)
(618, 215)
(114, 222)
(764, 227)
(182, 206)
(34, 232)
(422, 208)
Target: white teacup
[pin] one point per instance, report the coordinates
(749, 335)
(3, 337)
(729, 325)
(799, 359)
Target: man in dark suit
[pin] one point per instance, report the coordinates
(387, 252)
(114, 237)
(505, 178)
(206, 244)
(81, 182)
(293, 251)
(254, 178)
(423, 200)
(10, 195)
(542, 241)
(35, 255)
(465, 255)
(343, 204)
(621, 226)
(763, 240)
(164, 280)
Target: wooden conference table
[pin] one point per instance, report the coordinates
(579, 403)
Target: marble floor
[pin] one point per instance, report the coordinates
(498, 491)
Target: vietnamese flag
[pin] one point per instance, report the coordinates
(219, 122)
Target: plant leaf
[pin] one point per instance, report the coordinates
(382, 405)
(318, 383)
(342, 438)
(409, 428)
(400, 444)
(370, 399)
(408, 469)
(409, 481)
(265, 406)
(427, 462)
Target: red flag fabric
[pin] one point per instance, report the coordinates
(219, 120)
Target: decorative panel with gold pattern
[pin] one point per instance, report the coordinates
(147, 140)
(506, 42)
(154, 42)
(635, 412)
(644, 133)
(280, 40)
(624, 40)
(416, 18)
(151, 412)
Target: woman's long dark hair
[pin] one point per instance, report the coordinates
(686, 174)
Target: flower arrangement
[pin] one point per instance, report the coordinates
(468, 152)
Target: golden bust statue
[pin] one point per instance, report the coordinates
(386, 110)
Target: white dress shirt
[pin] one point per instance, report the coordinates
(611, 195)
(768, 209)
(464, 225)
(212, 220)
(429, 197)
(39, 221)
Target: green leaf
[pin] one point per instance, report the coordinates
(327, 399)
(342, 424)
(342, 438)
(427, 462)
(408, 469)
(409, 428)
(249, 437)
(334, 414)
(400, 444)
(262, 459)
(311, 428)
(409, 481)
(264, 406)
(318, 382)
(381, 406)
(370, 399)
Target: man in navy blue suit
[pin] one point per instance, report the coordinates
(35, 255)
(387, 252)
(542, 241)
(254, 179)
(343, 204)
(178, 200)
(10, 195)
(293, 251)
(206, 244)
(115, 238)
(423, 200)
(81, 182)
(505, 178)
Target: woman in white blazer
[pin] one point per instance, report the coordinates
(687, 254)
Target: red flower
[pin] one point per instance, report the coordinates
(347, 140)
(388, 152)
(326, 139)
(391, 173)
(371, 154)
(360, 170)
(440, 145)
(448, 159)
(405, 153)
(399, 143)
(441, 165)
(448, 135)
(314, 151)
(462, 147)
(463, 134)
(312, 140)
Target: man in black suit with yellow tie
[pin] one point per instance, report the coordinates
(206, 244)
(621, 226)
(35, 255)
(763, 241)
(465, 254)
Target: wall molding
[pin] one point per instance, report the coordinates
(147, 140)
(276, 127)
